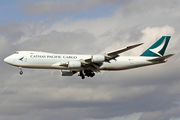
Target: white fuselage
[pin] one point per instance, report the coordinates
(43, 60)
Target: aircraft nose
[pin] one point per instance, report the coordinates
(8, 60)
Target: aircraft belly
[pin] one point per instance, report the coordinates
(116, 66)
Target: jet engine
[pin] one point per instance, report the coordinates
(67, 72)
(97, 58)
(74, 64)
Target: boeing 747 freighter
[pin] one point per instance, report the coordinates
(87, 65)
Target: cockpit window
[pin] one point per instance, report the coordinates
(16, 52)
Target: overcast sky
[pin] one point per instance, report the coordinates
(89, 27)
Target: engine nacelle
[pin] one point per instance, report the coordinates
(74, 64)
(66, 73)
(97, 58)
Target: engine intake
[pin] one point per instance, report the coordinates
(97, 58)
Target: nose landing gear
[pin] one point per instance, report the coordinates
(21, 72)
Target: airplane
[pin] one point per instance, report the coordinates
(87, 65)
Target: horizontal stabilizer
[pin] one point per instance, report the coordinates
(161, 58)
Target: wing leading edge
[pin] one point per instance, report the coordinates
(89, 63)
(114, 54)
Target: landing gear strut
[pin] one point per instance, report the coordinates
(82, 75)
(21, 72)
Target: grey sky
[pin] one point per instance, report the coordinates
(149, 93)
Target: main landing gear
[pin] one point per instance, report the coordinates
(82, 75)
(21, 72)
(88, 73)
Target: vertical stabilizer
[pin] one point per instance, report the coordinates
(158, 48)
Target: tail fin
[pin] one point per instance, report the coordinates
(158, 48)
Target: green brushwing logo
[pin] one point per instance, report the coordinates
(21, 59)
(158, 48)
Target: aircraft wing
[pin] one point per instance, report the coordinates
(107, 57)
(90, 65)
(114, 54)
(123, 49)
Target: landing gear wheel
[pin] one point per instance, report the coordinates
(92, 74)
(21, 72)
(82, 77)
(89, 73)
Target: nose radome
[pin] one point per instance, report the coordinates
(7, 60)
